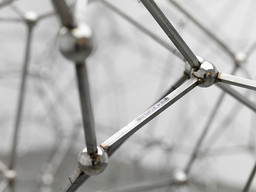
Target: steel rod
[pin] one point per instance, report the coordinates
(75, 180)
(178, 83)
(206, 128)
(251, 49)
(171, 32)
(203, 28)
(142, 28)
(59, 155)
(237, 96)
(250, 179)
(204, 133)
(87, 112)
(46, 15)
(21, 99)
(5, 3)
(237, 81)
(64, 13)
(116, 140)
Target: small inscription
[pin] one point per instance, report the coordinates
(152, 109)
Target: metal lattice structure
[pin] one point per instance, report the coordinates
(76, 42)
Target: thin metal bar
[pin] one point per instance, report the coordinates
(206, 128)
(19, 11)
(3, 167)
(116, 140)
(87, 112)
(251, 49)
(203, 28)
(59, 155)
(237, 81)
(142, 28)
(204, 133)
(178, 83)
(6, 2)
(238, 96)
(10, 20)
(46, 15)
(64, 13)
(171, 32)
(250, 179)
(145, 186)
(21, 99)
(75, 180)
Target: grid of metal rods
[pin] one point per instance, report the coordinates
(198, 73)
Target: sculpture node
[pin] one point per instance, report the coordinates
(76, 44)
(206, 74)
(93, 164)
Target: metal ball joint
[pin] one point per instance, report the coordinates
(93, 164)
(76, 44)
(207, 74)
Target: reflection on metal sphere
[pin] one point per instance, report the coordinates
(207, 73)
(76, 44)
(93, 164)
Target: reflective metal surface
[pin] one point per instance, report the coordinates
(237, 81)
(207, 74)
(93, 164)
(76, 44)
(171, 32)
(115, 141)
(64, 13)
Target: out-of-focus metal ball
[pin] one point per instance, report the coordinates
(207, 73)
(31, 18)
(76, 44)
(240, 57)
(180, 177)
(10, 175)
(93, 164)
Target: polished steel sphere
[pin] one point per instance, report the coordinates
(76, 44)
(207, 74)
(93, 164)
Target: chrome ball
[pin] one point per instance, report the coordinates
(93, 164)
(76, 44)
(207, 74)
